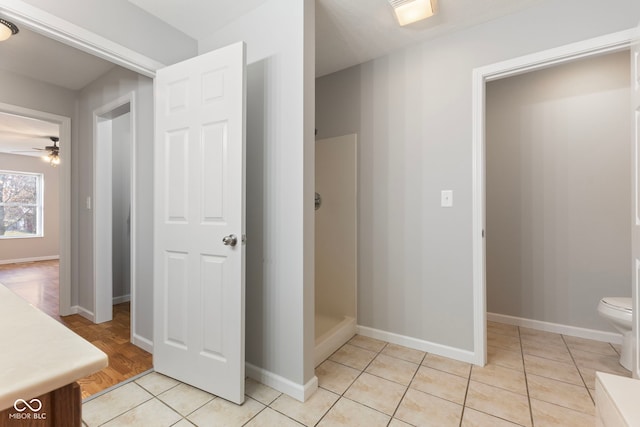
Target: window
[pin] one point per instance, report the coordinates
(20, 204)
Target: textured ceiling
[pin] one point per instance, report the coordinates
(355, 31)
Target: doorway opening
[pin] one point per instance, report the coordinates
(558, 195)
(114, 208)
(63, 171)
(481, 76)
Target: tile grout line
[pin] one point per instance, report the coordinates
(526, 380)
(577, 368)
(466, 393)
(342, 396)
(393, 416)
(128, 410)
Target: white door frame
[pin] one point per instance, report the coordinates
(102, 211)
(547, 58)
(64, 170)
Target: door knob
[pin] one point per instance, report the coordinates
(230, 240)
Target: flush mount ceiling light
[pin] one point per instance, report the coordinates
(410, 11)
(7, 29)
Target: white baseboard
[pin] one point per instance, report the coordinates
(297, 391)
(418, 344)
(143, 343)
(572, 331)
(327, 344)
(34, 259)
(121, 299)
(83, 312)
(72, 310)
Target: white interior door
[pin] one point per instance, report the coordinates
(635, 240)
(200, 222)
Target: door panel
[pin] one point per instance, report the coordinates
(199, 281)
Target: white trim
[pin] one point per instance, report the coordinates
(133, 216)
(297, 391)
(72, 35)
(102, 232)
(572, 331)
(418, 344)
(334, 339)
(76, 309)
(142, 342)
(64, 177)
(121, 299)
(547, 58)
(33, 259)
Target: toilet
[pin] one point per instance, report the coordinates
(618, 311)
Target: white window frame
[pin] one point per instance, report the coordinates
(39, 204)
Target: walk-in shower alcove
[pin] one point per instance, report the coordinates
(336, 243)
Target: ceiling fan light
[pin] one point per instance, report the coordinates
(53, 158)
(7, 29)
(410, 11)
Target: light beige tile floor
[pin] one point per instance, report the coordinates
(532, 378)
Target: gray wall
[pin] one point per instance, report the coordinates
(412, 111)
(49, 244)
(559, 191)
(104, 90)
(279, 272)
(121, 199)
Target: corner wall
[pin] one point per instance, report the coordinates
(279, 270)
(412, 111)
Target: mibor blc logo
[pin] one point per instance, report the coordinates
(28, 410)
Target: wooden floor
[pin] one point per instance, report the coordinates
(37, 282)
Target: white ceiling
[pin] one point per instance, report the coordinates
(24, 136)
(348, 32)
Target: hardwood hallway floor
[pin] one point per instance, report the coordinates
(37, 282)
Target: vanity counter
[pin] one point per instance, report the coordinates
(38, 354)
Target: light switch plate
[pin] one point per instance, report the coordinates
(446, 198)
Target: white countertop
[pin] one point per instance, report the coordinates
(37, 353)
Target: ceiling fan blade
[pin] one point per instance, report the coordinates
(24, 151)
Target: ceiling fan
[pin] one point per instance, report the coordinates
(53, 151)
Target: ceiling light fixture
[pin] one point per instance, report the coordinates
(7, 29)
(53, 158)
(410, 11)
